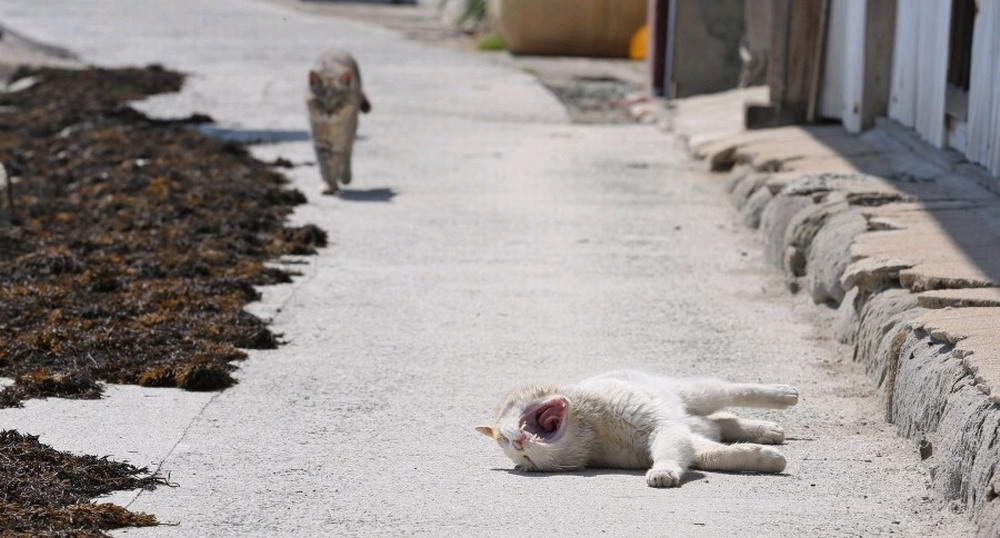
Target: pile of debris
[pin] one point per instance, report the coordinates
(129, 246)
(47, 492)
(128, 249)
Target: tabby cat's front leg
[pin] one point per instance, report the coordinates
(329, 168)
(345, 173)
(671, 450)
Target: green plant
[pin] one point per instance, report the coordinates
(492, 41)
(472, 14)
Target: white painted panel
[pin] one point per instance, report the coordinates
(902, 102)
(992, 156)
(831, 103)
(994, 149)
(920, 66)
(932, 70)
(854, 63)
(980, 92)
(984, 92)
(844, 66)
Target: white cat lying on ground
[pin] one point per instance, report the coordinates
(633, 420)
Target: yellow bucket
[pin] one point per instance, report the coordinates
(639, 43)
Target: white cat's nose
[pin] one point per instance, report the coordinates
(519, 442)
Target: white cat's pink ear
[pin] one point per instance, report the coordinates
(488, 431)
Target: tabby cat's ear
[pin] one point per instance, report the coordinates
(488, 431)
(346, 78)
(313, 77)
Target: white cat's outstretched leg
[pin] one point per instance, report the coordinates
(765, 396)
(734, 429)
(672, 453)
(706, 396)
(712, 456)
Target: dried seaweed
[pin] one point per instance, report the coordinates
(44, 492)
(44, 383)
(136, 243)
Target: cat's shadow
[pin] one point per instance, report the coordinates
(690, 476)
(254, 136)
(382, 194)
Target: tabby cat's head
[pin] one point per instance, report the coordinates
(538, 430)
(331, 90)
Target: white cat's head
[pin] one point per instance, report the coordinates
(537, 429)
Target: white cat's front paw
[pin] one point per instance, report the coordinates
(664, 478)
(784, 395)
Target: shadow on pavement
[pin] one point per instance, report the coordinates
(382, 194)
(252, 136)
(966, 230)
(690, 476)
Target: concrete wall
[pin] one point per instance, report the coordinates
(705, 39)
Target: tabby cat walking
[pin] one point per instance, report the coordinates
(335, 99)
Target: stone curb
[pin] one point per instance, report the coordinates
(913, 270)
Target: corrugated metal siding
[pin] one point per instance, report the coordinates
(919, 73)
(984, 92)
(920, 67)
(932, 69)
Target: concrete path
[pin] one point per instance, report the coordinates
(486, 243)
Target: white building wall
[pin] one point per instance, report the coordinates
(984, 92)
(919, 72)
(920, 67)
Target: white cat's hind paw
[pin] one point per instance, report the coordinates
(663, 478)
(769, 460)
(769, 433)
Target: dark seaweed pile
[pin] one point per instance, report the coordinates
(129, 246)
(44, 492)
